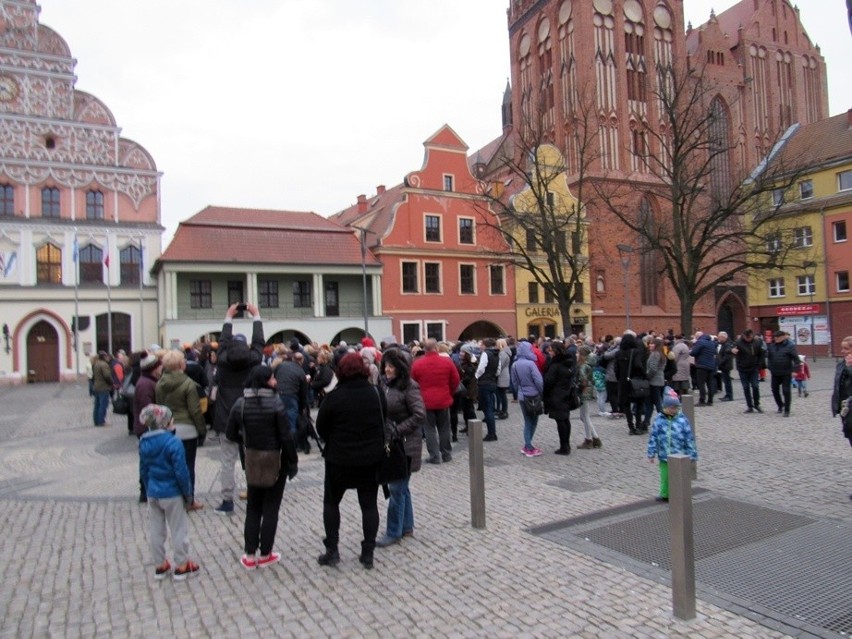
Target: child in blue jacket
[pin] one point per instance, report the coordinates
(165, 475)
(671, 434)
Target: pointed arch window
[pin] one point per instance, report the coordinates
(131, 264)
(49, 264)
(720, 150)
(649, 282)
(91, 269)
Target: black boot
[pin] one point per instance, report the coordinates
(366, 557)
(330, 557)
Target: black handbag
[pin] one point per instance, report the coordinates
(120, 404)
(394, 464)
(639, 388)
(533, 405)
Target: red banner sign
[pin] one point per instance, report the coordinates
(797, 309)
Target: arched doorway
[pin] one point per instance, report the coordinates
(480, 329)
(43, 353)
(284, 337)
(349, 335)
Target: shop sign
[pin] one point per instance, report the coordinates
(797, 309)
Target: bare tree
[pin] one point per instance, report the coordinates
(710, 220)
(542, 219)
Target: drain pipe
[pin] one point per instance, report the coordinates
(682, 538)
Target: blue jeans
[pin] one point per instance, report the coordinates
(400, 509)
(101, 405)
(751, 387)
(291, 408)
(530, 424)
(487, 402)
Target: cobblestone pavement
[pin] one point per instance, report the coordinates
(75, 560)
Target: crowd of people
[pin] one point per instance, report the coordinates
(258, 401)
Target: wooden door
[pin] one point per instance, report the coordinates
(43, 353)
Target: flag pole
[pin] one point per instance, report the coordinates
(141, 301)
(75, 324)
(109, 300)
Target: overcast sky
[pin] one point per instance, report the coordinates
(304, 104)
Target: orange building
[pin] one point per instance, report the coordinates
(444, 274)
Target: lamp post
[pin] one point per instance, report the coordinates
(364, 276)
(810, 273)
(626, 252)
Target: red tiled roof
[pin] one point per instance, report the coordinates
(821, 142)
(249, 236)
(377, 218)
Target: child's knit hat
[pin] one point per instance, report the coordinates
(155, 416)
(670, 397)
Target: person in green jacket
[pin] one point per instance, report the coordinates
(177, 391)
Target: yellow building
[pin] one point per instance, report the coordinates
(810, 297)
(545, 222)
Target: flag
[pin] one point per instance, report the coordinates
(76, 250)
(106, 261)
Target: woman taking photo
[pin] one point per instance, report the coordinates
(177, 391)
(407, 411)
(351, 422)
(259, 419)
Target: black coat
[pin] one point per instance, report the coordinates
(260, 417)
(350, 422)
(782, 359)
(751, 355)
(234, 362)
(559, 380)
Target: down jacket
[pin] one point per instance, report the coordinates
(260, 416)
(438, 378)
(525, 374)
(350, 422)
(177, 391)
(560, 379)
(782, 359)
(676, 429)
(406, 409)
(162, 466)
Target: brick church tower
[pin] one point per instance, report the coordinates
(601, 56)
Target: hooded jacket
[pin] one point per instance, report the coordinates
(560, 380)
(525, 373)
(162, 466)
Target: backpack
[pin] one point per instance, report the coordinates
(117, 372)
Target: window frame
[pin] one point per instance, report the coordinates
(200, 294)
(840, 177)
(837, 276)
(268, 298)
(90, 260)
(428, 325)
(462, 290)
(404, 278)
(302, 294)
(499, 271)
(7, 199)
(835, 227)
(418, 328)
(429, 229)
(449, 182)
(778, 197)
(464, 230)
(95, 205)
(805, 285)
(806, 186)
(432, 284)
(774, 242)
(803, 237)
(776, 287)
(532, 293)
(130, 264)
(49, 270)
(51, 205)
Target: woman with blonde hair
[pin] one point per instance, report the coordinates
(180, 394)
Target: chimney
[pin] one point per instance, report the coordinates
(362, 204)
(380, 189)
(849, 119)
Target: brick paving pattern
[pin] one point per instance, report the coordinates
(75, 560)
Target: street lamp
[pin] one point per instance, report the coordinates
(810, 273)
(626, 252)
(364, 276)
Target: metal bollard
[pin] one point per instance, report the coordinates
(683, 542)
(687, 405)
(477, 473)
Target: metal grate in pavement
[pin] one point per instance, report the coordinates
(719, 525)
(775, 567)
